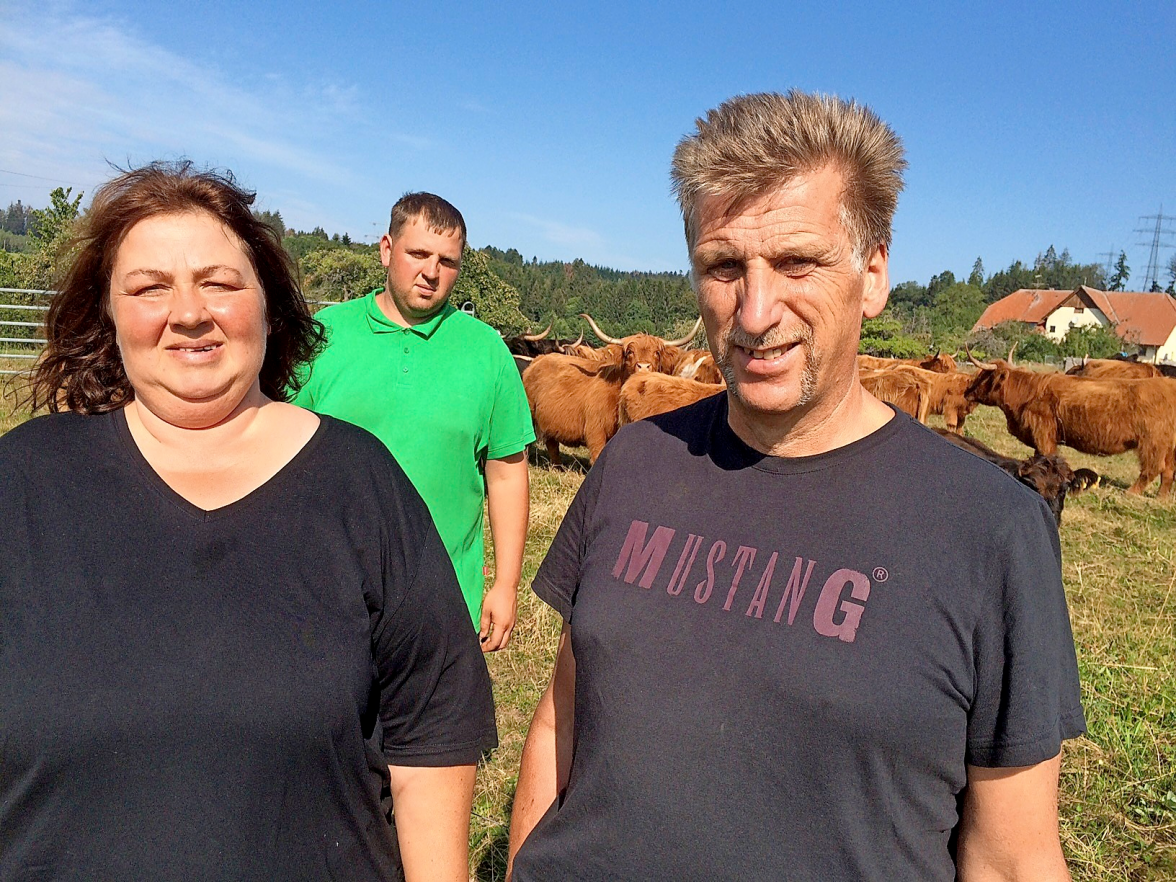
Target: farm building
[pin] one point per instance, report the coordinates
(1141, 319)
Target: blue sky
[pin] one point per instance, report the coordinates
(1026, 124)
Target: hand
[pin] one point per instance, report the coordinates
(499, 612)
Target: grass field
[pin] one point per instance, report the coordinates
(1118, 782)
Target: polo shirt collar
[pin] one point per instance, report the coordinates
(381, 324)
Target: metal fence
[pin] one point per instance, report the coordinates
(22, 330)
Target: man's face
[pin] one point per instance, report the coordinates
(422, 270)
(780, 297)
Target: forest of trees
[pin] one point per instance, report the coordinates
(514, 294)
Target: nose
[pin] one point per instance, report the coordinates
(432, 269)
(188, 307)
(761, 307)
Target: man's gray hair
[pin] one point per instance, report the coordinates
(751, 144)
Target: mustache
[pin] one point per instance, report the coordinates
(774, 338)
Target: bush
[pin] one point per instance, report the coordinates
(885, 336)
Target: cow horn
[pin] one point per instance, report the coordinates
(1012, 349)
(567, 348)
(542, 334)
(682, 341)
(984, 366)
(596, 329)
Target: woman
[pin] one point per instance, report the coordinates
(227, 625)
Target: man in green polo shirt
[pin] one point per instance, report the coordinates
(440, 389)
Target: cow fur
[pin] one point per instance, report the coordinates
(647, 394)
(1100, 417)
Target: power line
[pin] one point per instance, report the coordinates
(37, 177)
(1152, 276)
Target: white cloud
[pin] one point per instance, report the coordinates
(79, 91)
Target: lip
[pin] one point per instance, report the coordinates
(766, 366)
(196, 352)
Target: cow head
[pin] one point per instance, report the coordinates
(1053, 478)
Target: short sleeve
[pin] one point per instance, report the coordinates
(1027, 698)
(436, 706)
(511, 429)
(559, 575)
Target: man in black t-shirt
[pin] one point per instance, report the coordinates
(786, 653)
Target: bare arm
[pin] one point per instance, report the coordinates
(432, 810)
(1009, 827)
(507, 502)
(547, 754)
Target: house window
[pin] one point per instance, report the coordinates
(1079, 309)
(1053, 328)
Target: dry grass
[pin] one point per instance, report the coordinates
(1118, 801)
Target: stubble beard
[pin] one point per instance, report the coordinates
(771, 340)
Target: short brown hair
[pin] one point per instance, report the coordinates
(81, 368)
(439, 215)
(752, 143)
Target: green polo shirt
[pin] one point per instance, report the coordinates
(444, 396)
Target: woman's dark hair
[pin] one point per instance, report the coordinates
(81, 368)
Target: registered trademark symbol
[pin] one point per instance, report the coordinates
(880, 574)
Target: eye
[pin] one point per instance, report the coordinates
(796, 266)
(146, 290)
(725, 270)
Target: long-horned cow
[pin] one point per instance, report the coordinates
(946, 396)
(1113, 368)
(1100, 417)
(574, 400)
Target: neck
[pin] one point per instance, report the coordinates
(387, 306)
(190, 428)
(805, 431)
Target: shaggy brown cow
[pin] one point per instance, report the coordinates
(946, 395)
(1050, 476)
(574, 400)
(647, 394)
(1101, 417)
(940, 362)
(646, 351)
(1113, 369)
(909, 393)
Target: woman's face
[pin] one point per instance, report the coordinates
(189, 318)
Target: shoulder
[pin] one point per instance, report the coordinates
(685, 430)
(964, 480)
(343, 313)
(473, 331)
(51, 432)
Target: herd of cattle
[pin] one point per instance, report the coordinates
(580, 396)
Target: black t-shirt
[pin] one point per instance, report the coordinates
(783, 666)
(216, 695)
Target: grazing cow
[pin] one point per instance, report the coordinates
(946, 395)
(1101, 417)
(940, 362)
(1050, 476)
(1112, 369)
(698, 364)
(648, 394)
(909, 393)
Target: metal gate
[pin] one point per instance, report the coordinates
(22, 331)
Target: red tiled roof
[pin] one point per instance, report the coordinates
(1026, 305)
(1143, 318)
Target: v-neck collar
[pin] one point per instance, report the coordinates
(164, 490)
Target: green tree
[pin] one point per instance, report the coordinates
(938, 283)
(1122, 273)
(976, 277)
(495, 301)
(272, 219)
(886, 336)
(51, 231)
(340, 274)
(909, 295)
(1093, 340)
(956, 309)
